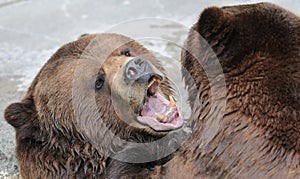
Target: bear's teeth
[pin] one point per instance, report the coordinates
(154, 79)
(160, 117)
(172, 102)
(151, 83)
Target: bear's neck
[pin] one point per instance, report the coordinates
(51, 154)
(59, 157)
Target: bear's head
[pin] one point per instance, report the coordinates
(97, 87)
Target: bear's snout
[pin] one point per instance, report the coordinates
(139, 69)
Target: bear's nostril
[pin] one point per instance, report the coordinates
(131, 72)
(141, 64)
(138, 61)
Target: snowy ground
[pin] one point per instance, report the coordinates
(31, 31)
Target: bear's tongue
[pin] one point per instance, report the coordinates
(159, 113)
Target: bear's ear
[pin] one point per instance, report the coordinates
(83, 35)
(17, 114)
(211, 20)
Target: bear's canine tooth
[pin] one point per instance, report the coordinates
(160, 117)
(153, 80)
(172, 102)
(151, 83)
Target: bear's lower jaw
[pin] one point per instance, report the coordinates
(160, 114)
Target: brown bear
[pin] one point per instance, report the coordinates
(243, 65)
(92, 96)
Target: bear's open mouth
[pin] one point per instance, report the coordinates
(159, 113)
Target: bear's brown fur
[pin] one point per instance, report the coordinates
(78, 108)
(252, 128)
(258, 47)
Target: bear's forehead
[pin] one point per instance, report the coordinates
(79, 62)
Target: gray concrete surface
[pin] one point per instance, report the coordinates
(30, 31)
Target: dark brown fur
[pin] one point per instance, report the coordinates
(258, 136)
(59, 138)
(258, 133)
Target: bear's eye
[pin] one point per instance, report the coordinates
(126, 52)
(99, 82)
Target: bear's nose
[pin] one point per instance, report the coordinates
(138, 69)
